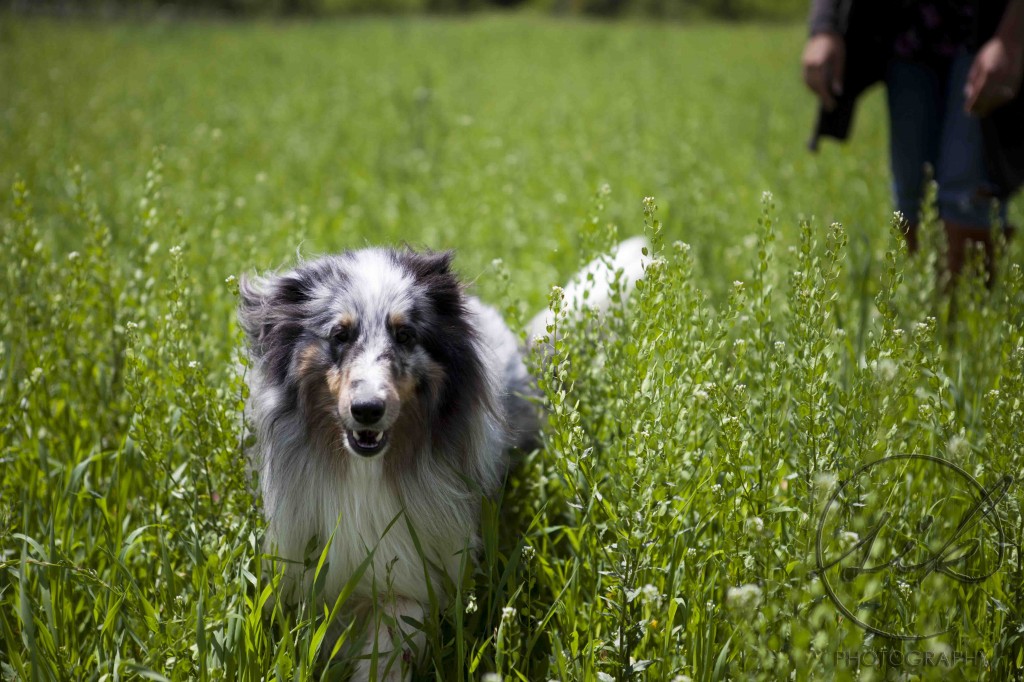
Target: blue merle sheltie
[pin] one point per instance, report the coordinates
(385, 400)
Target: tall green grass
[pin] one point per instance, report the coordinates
(667, 528)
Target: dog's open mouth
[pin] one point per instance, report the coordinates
(367, 443)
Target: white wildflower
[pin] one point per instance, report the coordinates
(958, 447)
(471, 603)
(651, 594)
(744, 599)
(885, 369)
(824, 480)
(753, 525)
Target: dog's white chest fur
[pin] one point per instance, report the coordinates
(368, 518)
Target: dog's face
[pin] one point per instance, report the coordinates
(375, 367)
(365, 345)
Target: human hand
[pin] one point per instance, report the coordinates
(995, 76)
(824, 61)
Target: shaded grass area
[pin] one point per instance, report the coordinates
(668, 527)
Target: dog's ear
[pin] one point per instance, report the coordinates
(268, 305)
(252, 309)
(272, 312)
(430, 264)
(444, 291)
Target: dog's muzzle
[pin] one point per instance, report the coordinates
(369, 441)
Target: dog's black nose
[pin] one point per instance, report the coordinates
(368, 412)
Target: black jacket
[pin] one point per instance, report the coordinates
(869, 35)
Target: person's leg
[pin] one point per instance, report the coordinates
(965, 192)
(915, 97)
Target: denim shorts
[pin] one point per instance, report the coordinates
(928, 126)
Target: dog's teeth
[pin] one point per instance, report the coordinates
(377, 436)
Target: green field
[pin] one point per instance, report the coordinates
(668, 528)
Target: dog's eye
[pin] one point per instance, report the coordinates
(405, 336)
(341, 333)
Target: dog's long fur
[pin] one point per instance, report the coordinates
(385, 400)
